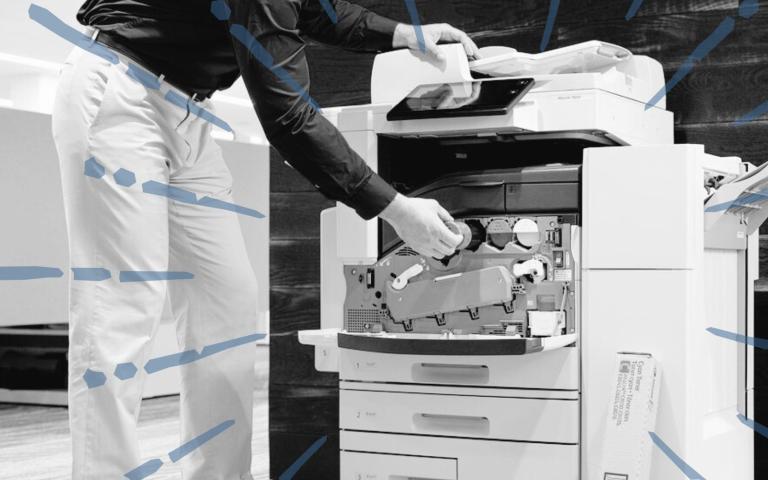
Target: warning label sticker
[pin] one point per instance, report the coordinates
(627, 385)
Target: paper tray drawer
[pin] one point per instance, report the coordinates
(356, 466)
(520, 419)
(556, 369)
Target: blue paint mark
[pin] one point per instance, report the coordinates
(759, 428)
(684, 467)
(90, 274)
(29, 273)
(554, 5)
(187, 448)
(748, 8)
(758, 112)
(636, 4)
(702, 50)
(153, 276)
(329, 11)
(143, 77)
(183, 102)
(744, 201)
(92, 168)
(220, 204)
(188, 356)
(174, 193)
(209, 350)
(144, 470)
(54, 24)
(414, 14)
(260, 53)
(94, 379)
(124, 371)
(736, 337)
(221, 10)
(124, 177)
(291, 471)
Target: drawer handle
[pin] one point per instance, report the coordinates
(452, 424)
(450, 373)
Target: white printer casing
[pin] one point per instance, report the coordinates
(650, 278)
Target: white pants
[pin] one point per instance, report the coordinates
(102, 113)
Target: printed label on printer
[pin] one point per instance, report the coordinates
(615, 476)
(564, 275)
(629, 379)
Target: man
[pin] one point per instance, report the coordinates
(108, 122)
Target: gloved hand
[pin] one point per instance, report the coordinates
(420, 223)
(405, 36)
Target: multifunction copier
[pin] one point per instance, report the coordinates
(588, 232)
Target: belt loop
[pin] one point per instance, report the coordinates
(160, 79)
(193, 97)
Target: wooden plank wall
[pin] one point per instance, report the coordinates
(728, 83)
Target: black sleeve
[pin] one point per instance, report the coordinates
(272, 60)
(356, 28)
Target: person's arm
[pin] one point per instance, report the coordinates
(307, 140)
(358, 28)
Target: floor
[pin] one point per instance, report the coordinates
(34, 441)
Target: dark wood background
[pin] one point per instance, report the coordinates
(728, 83)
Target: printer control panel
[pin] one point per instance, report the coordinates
(515, 276)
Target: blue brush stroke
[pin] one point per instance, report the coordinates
(222, 205)
(188, 356)
(554, 5)
(124, 371)
(220, 10)
(746, 200)
(684, 467)
(181, 101)
(50, 21)
(748, 8)
(636, 4)
(29, 273)
(164, 190)
(758, 112)
(736, 337)
(291, 471)
(90, 274)
(702, 50)
(92, 168)
(187, 448)
(124, 178)
(326, 4)
(152, 276)
(414, 14)
(94, 379)
(145, 469)
(143, 77)
(260, 53)
(759, 428)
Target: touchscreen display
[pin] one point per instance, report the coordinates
(482, 97)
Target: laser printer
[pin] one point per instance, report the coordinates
(587, 232)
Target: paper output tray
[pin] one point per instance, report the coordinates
(435, 344)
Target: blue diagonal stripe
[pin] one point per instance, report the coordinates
(50, 21)
(189, 356)
(748, 8)
(213, 348)
(554, 6)
(183, 102)
(222, 205)
(636, 4)
(153, 276)
(758, 112)
(291, 471)
(144, 77)
(326, 4)
(760, 343)
(243, 36)
(177, 454)
(702, 50)
(413, 13)
(687, 470)
(145, 469)
(758, 196)
(29, 273)
(759, 428)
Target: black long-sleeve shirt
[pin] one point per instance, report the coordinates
(184, 41)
